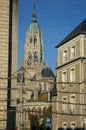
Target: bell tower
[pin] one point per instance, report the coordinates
(33, 50)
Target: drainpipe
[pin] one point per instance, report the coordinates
(84, 44)
(81, 90)
(84, 120)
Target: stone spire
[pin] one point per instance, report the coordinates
(34, 19)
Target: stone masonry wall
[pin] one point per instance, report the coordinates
(4, 41)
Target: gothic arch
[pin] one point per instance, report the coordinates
(35, 39)
(44, 110)
(31, 40)
(39, 111)
(34, 111)
(29, 61)
(35, 57)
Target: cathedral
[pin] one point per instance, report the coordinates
(38, 77)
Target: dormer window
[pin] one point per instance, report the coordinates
(73, 52)
(64, 56)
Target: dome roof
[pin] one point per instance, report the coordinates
(34, 27)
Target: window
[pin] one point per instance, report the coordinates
(73, 52)
(44, 86)
(40, 89)
(30, 39)
(28, 114)
(72, 105)
(72, 76)
(29, 61)
(73, 126)
(35, 40)
(64, 126)
(35, 58)
(24, 114)
(18, 100)
(64, 79)
(20, 76)
(64, 105)
(65, 56)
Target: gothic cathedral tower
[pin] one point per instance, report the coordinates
(35, 93)
(34, 50)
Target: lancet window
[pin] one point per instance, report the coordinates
(35, 58)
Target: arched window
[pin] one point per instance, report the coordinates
(19, 77)
(30, 39)
(34, 111)
(24, 114)
(44, 111)
(28, 113)
(39, 112)
(35, 58)
(35, 39)
(40, 89)
(29, 61)
(44, 86)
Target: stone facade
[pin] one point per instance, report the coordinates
(4, 41)
(69, 105)
(14, 51)
(37, 75)
(7, 40)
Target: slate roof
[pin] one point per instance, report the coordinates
(47, 72)
(80, 29)
(54, 90)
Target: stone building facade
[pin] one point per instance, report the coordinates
(37, 86)
(69, 108)
(8, 56)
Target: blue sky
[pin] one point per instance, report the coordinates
(57, 18)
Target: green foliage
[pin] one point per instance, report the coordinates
(34, 121)
(25, 128)
(47, 114)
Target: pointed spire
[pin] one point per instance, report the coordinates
(34, 13)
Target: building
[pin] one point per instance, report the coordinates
(37, 87)
(8, 57)
(69, 109)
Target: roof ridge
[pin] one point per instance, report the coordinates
(79, 29)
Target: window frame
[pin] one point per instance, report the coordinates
(72, 106)
(64, 104)
(35, 58)
(73, 51)
(71, 124)
(64, 124)
(64, 79)
(35, 39)
(65, 55)
(72, 76)
(31, 40)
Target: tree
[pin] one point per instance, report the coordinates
(48, 114)
(34, 122)
(25, 128)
